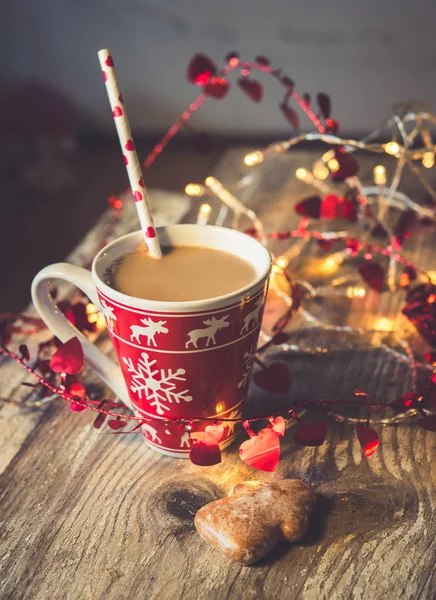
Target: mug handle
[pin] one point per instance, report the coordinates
(109, 371)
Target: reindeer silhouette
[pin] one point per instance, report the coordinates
(150, 330)
(213, 325)
(252, 316)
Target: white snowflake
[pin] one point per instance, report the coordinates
(249, 357)
(158, 386)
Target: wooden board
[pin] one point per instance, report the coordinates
(85, 514)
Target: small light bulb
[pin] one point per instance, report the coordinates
(379, 175)
(254, 158)
(392, 148)
(194, 189)
(328, 155)
(428, 160)
(383, 324)
(333, 165)
(282, 262)
(356, 292)
(301, 174)
(203, 214)
(320, 171)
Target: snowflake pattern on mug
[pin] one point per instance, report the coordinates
(159, 386)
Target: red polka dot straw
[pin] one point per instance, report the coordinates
(130, 157)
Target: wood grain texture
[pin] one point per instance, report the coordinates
(85, 514)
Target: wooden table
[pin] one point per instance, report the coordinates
(84, 514)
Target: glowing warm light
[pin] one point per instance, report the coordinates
(219, 407)
(379, 175)
(333, 164)
(94, 316)
(320, 171)
(301, 173)
(282, 262)
(203, 214)
(355, 292)
(383, 324)
(328, 155)
(432, 276)
(194, 189)
(254, 158)
(428, 160)
(392, 148)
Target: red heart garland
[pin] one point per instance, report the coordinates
(278, 425)
(104, 75)
(274, 378)
(68, 358)
(216, 430)
(76, 406)
(368, 438)
(117, 111)
(329, 207)
(77, 390)
(129, 145)
(205, 451)
(252, 88)
(332, 125)
(150, 232)
(324, 104)
(141, 183)
(261, 451)
(200, 69)
(137, 196)
(311, 434)
(126, 160)
(217, 88)
(116, 424)
(373, 274)
(309, 207)
(109, 61)
(290, 115)
(348, 166)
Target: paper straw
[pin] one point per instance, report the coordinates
(130, 157)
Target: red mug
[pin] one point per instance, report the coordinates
(176, 359)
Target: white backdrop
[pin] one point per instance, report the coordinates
(366, 54)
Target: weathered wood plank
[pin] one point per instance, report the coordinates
(87, 515)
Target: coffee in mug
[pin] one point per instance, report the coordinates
(184, 273)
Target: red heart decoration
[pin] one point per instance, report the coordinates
(68, 358)
(216, 430)
(116, 424)
(311, 434)
(324, 104)
(428, 423)
(150, 232)
(77, 407)
(141, 183)
(261, 451)
(200, 69)
(278, 425)
(373, 274)
(368, 438)
(329, 207)
(332, 125)
(129, 145)
(348, 166)
(138, 196)
(109, 61)
(117, 111)
(205, 452)
(274, 378)
(126, 160)
(77, 390)
(217, 88)
(290, 115)
(104, 75)
(252, 88)
(309, 207)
